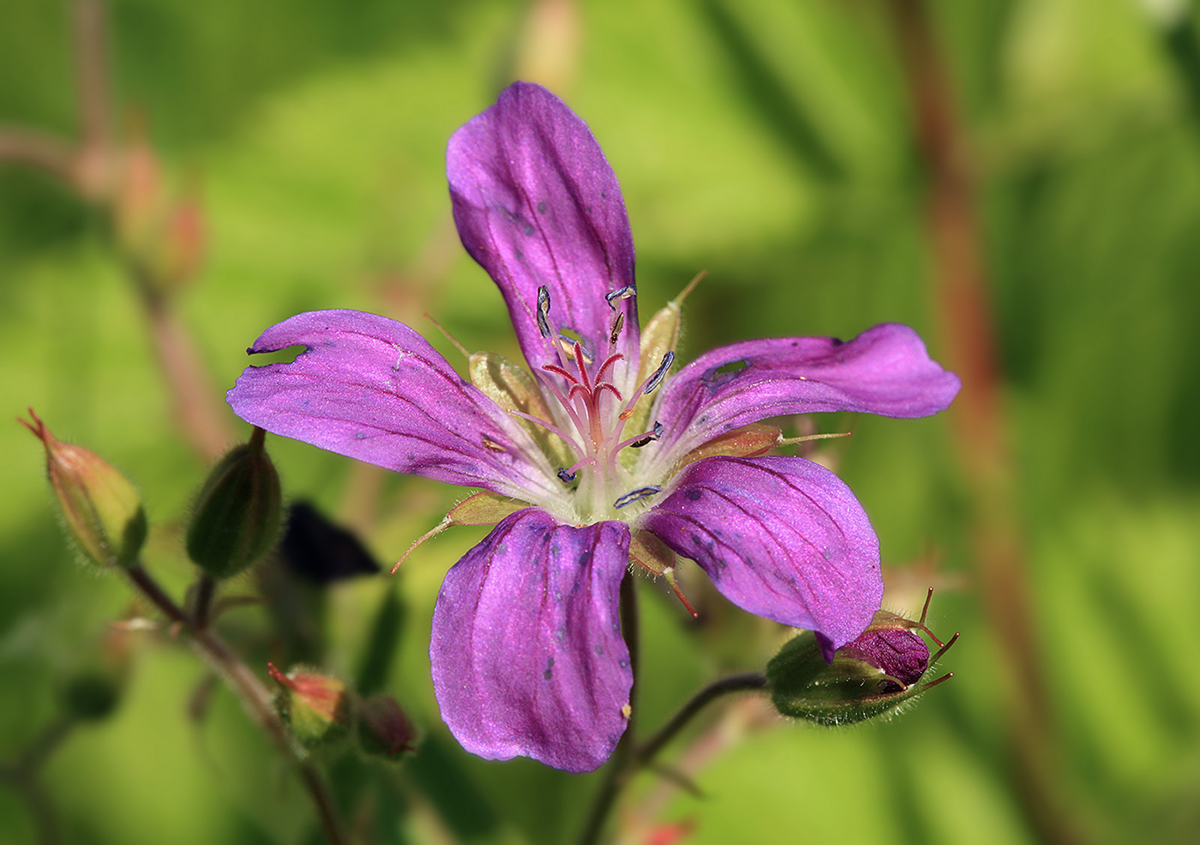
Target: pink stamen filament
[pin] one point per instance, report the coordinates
(550, 427)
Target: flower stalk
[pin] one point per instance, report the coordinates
(254, 695)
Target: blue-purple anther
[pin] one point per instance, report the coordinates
(526, 653)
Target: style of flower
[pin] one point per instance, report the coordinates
(600, 458)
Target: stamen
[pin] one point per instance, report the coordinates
(620, 293)
(566, 438)
(616, 329)
(543, 310)
(565, 476)
(636, 495)
(563, 401)
(567, 344)
(659, 374)
(648, 437)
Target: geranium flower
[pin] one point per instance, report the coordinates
(599, 457)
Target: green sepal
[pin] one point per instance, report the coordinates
(238, 512)
(511, 387)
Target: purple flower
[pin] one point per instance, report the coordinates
(608, 456)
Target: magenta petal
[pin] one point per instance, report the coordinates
(885, 370)
(536, 204)
(782, 538)
(527, 653)
(373, 389)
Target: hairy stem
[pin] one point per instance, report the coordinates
(254, 695)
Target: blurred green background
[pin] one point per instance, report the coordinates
(771, 143)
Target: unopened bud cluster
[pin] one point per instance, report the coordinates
(876, 674)
(322, 711)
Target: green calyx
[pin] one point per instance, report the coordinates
(238, 512)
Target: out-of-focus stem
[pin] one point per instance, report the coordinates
(201, 417)
(254, 695)
(24, 776)
(977, 414)
(91, 63)
(38, 150)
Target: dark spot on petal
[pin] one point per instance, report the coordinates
(360, 435)
(697, 541)
(599, 649)
(693, 494)
(624, 664)
(528, 230)
(584, 557)
(549, 673)
(541, 206)
(517, 254)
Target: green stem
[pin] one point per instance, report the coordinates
(206, 591)
(254, 695)
(621, 771)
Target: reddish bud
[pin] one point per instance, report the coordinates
(317, 708)
(384, 729)
(873, 675)
(101, 508)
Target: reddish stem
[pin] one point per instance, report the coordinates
(977, 415)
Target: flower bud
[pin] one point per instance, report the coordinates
(317, 708)
(102, 510)
(238, 512)
(873, 675)
(384, 729)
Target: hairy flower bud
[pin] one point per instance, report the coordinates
(238, 512)
(101, 508)
(317, 708)
(384, 729)
(873, 675)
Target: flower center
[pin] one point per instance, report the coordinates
(591, 414)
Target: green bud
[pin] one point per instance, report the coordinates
(101, 508)
(318, 709)
(874, 675)
(384, 729)
(238, 512)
